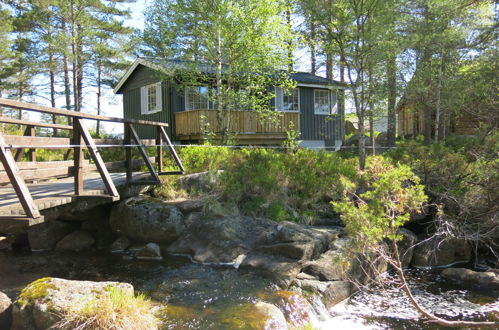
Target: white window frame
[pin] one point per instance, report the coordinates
(324, 113)
(186, 94)
(145, 106)
(279, 99)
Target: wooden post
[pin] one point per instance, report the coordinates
(128, 153)
(172, 150)
(9, 165)
(159, 143)
(143, 153)
(30, 129)
(94, 153)
(78, 158)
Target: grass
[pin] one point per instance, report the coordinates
(115, 309)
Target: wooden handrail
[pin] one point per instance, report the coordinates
(80, 140)
(54, 111)
(7, 120)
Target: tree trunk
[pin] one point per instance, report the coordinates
(392, 95)
(341, 96)
(67, 84)
(99, 94)
(362, 142)
(313, 59)
(439, 100)
(79, 61)
(52, 88)
(218, 96)
(290, 41)
(329, 65)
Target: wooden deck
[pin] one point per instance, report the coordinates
(191, 125)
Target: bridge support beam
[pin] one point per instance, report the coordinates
(9, 164)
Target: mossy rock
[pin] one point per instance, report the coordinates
(251, 316)
(43, 303)
(37, 290)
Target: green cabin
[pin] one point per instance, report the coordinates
(312, 107)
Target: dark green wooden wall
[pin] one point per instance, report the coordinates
(131, 102)
(318, 127)
(312, 126)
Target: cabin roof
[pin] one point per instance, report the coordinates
(304, 79)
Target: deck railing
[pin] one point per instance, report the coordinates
(197, 122)
(81, 139)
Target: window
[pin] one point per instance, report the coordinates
(150, 99)
(322, 102)
(196, 98)
(287, 99)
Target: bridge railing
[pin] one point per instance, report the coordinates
(17, 173)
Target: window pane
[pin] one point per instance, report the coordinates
(196, 97)
(291, 100)
(322, 104)
(151, 97)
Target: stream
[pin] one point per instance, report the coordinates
(220, 297)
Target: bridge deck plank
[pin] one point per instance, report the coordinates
(54, 193)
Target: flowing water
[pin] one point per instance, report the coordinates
(221, 297)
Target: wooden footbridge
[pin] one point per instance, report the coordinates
(30, 187)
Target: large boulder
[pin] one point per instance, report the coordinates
(281, 270)
(489, 280)
(5, 311)
(220, 239)
(329, 267)
(76, 241)
(331, 292)
(146, 220)
(43, 303)
(295, 241)
(259, 315)
(45, 236)
(436, 252)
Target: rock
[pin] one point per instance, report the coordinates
(281, 270)
(5, 311)
(145, 220)
(295, 241)
(215, 209)
(331, 292)
(406, 246)
(436, 252)
(221, 239)
(77, 241)
(274, 318)
(338, 264)
(189, 205)
(151, 251)
(327, 268)
(41, 304)
(44, 236)
(259, 315)
(120, 244)
(199, 182)
(489, 280)
(194, 217)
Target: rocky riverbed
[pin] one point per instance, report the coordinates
(204, 265)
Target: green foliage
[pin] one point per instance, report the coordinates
(461, 174)
(292, 142)
(392, 193)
